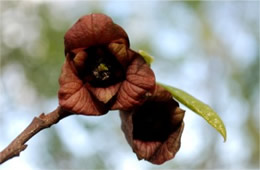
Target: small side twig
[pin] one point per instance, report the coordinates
(37, 124)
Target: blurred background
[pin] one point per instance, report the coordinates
(209, 49)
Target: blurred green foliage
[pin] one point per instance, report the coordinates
(184, 37)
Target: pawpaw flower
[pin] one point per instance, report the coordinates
(154, 129)
(101, 72)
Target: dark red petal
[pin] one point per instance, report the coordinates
(169, 148)
(122, 53)
(140, 81)
(129, 96)
(93, 30)
(160, 95)
(104, 94)
(141, 75)
(145, 149)
(74, 96)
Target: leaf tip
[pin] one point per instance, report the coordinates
(224, 134)
(202, 109)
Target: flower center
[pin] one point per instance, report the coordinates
(101, 72)
(101, 68)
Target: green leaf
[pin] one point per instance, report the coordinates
(147, 57)
(198, 107)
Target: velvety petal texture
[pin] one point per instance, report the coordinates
(92, 30)
(101, 72)
(74, 95)
(154, 129)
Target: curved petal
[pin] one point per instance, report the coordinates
(74, 96)
(104, 94)
(141, 75)
(122, 53)
(168, 149)
(140, 82)
(129, 96)
(91, 30)
(145, 149)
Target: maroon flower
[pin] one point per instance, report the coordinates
(101, 72)
(154, 129)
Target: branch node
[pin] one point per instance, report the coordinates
(37, 124)
(42, 115)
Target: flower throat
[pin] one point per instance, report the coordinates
(101, 68)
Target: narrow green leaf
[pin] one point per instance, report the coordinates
(198, 107)
(147, 57)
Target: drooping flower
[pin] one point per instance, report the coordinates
(154, 129)
(101, 72)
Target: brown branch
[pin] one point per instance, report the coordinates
(37, 124)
